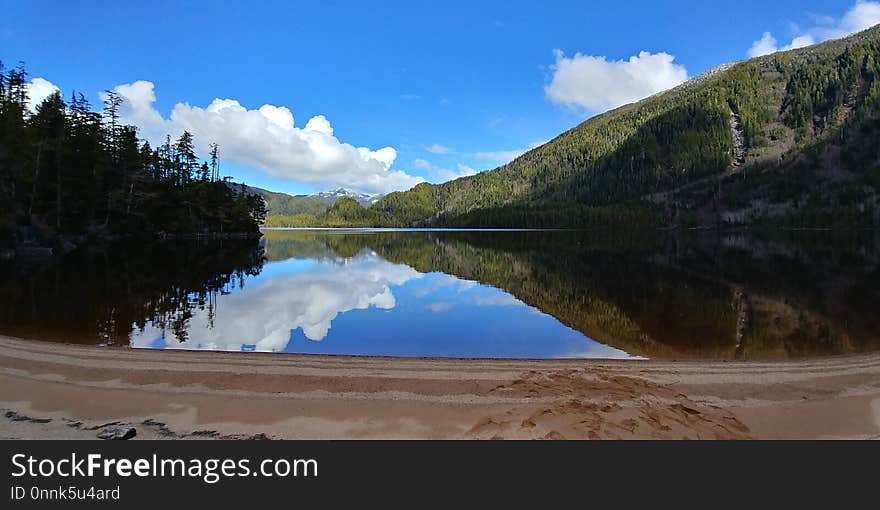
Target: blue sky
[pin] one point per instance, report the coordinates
(450, 87)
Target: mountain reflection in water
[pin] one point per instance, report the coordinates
(464, 294)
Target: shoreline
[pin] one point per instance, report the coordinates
(60, 391)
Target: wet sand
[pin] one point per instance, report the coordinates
(57, 391)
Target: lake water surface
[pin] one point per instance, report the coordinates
(472, 294)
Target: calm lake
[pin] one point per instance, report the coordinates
(472, 294)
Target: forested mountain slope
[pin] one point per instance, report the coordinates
(789, 138)
(318, 209)
(282, 203)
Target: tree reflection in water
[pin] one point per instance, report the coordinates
(649, 294)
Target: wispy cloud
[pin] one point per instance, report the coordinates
(506, 156)
(500, 156)
(439, 307)
(499, 299)
(442, 174)
(438, 149)
(859, 17)
(423, 164)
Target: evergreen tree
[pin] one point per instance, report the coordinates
(66, 170)
(186, 156)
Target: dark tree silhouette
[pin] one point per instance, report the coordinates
(69, 173)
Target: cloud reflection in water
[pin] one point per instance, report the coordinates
(264, 313)
(365, 305)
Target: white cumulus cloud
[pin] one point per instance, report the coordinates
(268, 139)
(463, 171)
(763, 46)
(38, 89)
(598, 84)
(767, 44)
(859, 17)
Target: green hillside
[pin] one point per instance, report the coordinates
(284, 204)
(787, 139)
(345, 212)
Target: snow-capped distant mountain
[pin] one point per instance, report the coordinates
(331, 196)
(279, 203)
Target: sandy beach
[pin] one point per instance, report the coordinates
(57, 391)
